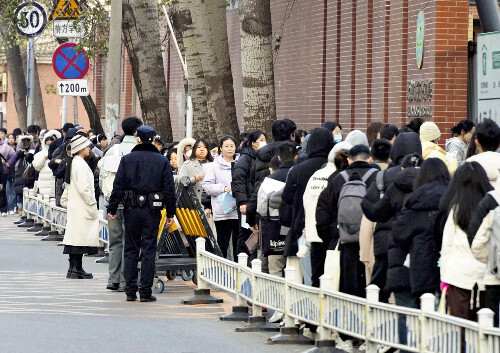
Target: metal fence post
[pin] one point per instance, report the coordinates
(256, 268)
(289, 277)
(372, 296)
(427, 305)
(485, 319)
(240, 310)
(202, 294)
(324, 334)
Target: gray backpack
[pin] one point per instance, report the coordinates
(349, 206)
(494, 242)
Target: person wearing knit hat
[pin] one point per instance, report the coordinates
(82, 227)
(357, 137)
(429, 136)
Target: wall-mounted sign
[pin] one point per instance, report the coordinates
(420, 39)
(488, 76)
(420, 92)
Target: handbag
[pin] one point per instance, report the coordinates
(227, 202)
(252, 242)
(332, 266)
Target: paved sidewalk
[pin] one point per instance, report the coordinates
(42, 311)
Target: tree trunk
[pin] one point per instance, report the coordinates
(219, 106)
(203, 123)
(140, 28)
(38, 110)
(93, 114)
(216, 14)
(17, 79)
(259, 106)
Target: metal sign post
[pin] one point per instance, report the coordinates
(31, 19)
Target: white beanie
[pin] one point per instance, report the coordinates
(429, 131)
(357, 137)
(344, 145)
(78, 143)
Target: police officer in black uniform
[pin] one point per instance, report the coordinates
(145, 183)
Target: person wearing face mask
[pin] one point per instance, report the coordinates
(34, 131)
(214, 149)
(336, 130)
(242, 185)
(218, 180)
(194, 168)
(184, 149)
(46, 180)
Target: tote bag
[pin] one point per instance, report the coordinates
(332, 266)
(227, 202)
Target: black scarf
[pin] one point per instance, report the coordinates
(67, 171)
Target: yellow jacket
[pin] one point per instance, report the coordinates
(431, 150)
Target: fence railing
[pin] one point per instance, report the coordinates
(374, 322)
(42, 209)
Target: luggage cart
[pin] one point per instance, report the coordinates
(175, 251)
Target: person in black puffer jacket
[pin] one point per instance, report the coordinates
(404, 144)
(23, 159)
(242, 184)
(282, 131)
(414, 230)
(319, 146)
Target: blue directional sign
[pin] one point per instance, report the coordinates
(68, 63)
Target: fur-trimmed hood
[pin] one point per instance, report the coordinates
(180, 149)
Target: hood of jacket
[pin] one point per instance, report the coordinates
(320, 143)
(490, 161)
(426, 197)
(405, 143)
(338, 147)
(406, 179)
(20, 141)
(303, 150)
(266, 153)
(180, 149)
(250, 152)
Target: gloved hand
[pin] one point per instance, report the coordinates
(444, 286)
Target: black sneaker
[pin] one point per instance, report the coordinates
(151, 298)
(112, 286)
(132, 298)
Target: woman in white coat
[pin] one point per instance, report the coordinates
(459, 268)
(82, 226)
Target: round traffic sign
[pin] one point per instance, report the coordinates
(31, 18)
(68, 63)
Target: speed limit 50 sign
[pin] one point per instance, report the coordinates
(31, 18)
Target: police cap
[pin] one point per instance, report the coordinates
(146, 133)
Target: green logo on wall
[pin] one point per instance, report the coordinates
(420, 39)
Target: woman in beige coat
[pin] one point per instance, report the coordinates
(82, 226)
(194, 166)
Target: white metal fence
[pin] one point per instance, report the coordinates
(377, 323)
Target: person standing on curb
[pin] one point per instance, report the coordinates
(82, 228)
(145, 184)
(108, 167)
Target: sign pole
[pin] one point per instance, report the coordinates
(31, 80)
(64, 116)
(75, 110)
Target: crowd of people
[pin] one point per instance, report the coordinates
(405, 213)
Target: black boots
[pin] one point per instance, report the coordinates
(76, 270)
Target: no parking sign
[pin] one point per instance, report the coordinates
(68, 63)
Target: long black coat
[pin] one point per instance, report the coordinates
(387, 209)
(414, 231)
(405, 143)
(143, 171)
(320, 144)
(242, 184)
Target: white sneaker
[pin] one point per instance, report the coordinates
(12, 213)
(386, 349)
(345, 345)
(307, 333)
(362, 347)
(4, 214)
(277, 316)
